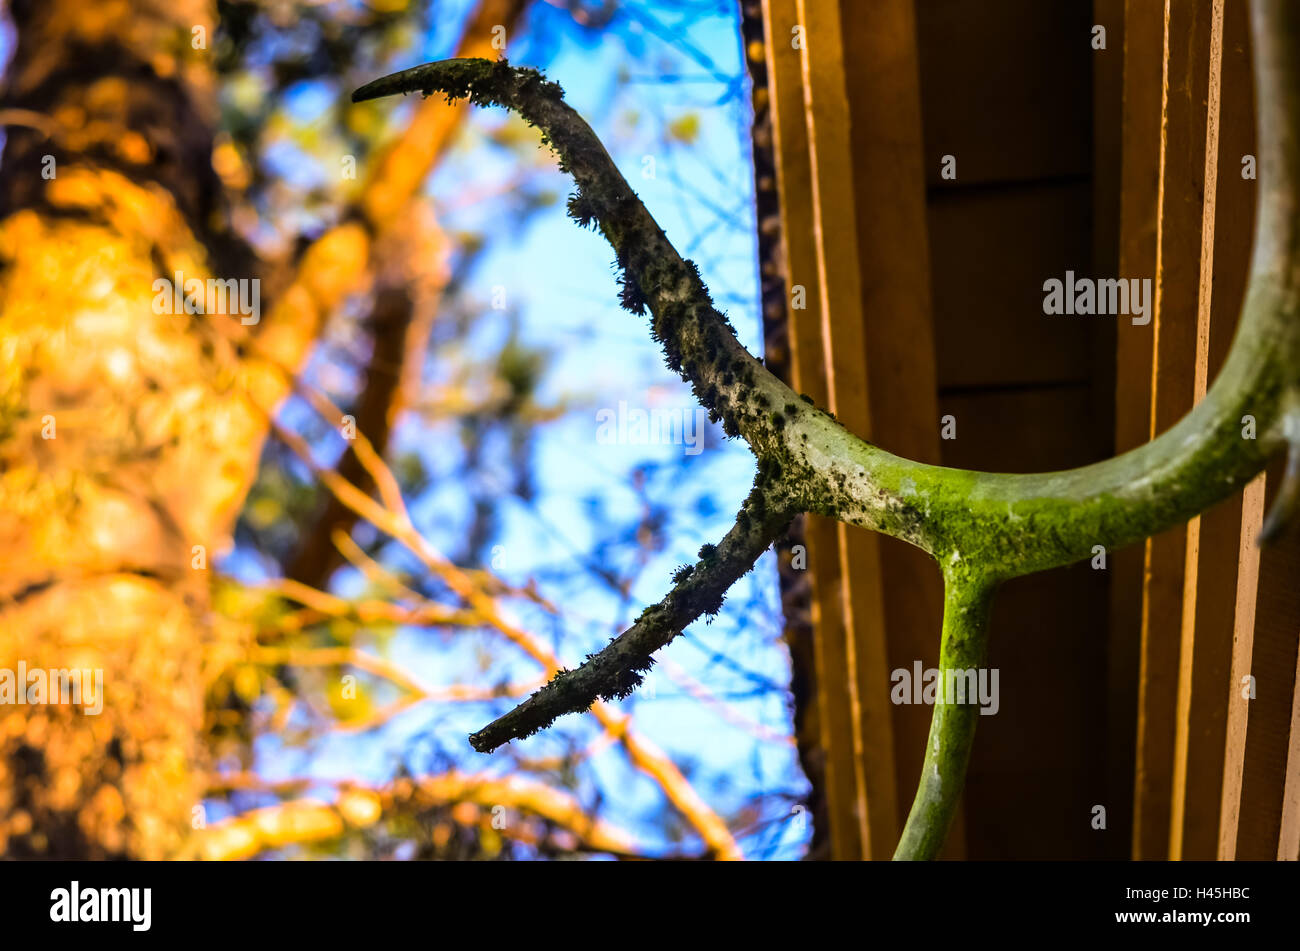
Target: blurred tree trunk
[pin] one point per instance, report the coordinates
(124, 442)
(129, 438)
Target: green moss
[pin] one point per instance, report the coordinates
(963, 646)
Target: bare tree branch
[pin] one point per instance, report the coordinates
(392, 518)
(306, 821)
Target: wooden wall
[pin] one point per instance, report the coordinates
(923, 299)
(1214, 769)
(1008, 94)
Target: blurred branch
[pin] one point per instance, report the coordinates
(390, 515)
(322, 605)
(379, 667)
(678, 675)
(30, 119)
(397, 327)
(312, 821)
(593, 16)
(398, 343)
(400, 167)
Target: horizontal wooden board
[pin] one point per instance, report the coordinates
(1043, 754)
(1006, 88)
(993, 250)
(1024, 430)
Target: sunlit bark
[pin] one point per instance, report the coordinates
(125, 448)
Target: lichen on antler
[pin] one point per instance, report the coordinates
(981, 527)
(696, 339)
(616, 671)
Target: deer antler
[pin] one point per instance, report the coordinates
(982, 528)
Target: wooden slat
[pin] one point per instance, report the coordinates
(1180, 213)
(1202, 661)
(882, 73)
(1243, 642)
(1206, 653)
(794, 174)
(1108, 154)
(843, 333)
(1288, 844)
(853, 205)
(1237, 202)
(1139, 188)
(1270, 740)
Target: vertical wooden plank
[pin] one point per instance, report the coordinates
(1179, 217)
(794, 579)
(794, 176)
(1288, 840)
(883, 77)
(1243, 642)
(1236, 199)
(843, 333)
(1205, 685)
(1269, 735)
(1108, 156)
(1139, 187)
(861, 101)
(1200, 665)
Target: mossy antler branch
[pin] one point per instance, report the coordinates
(697, 340)
(617, 670)
(981, 527)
